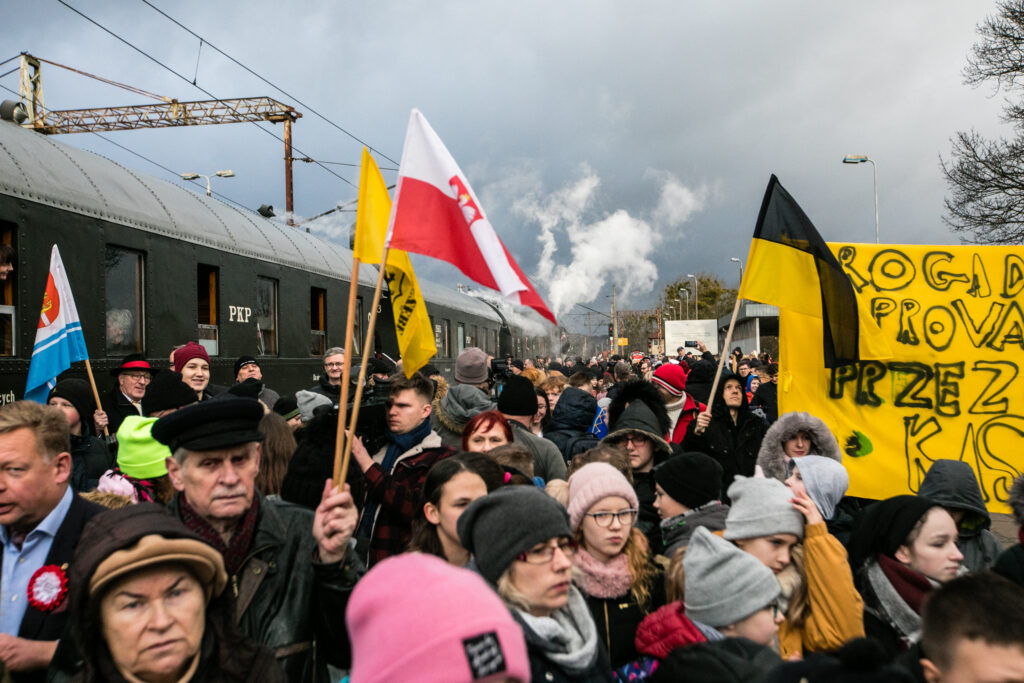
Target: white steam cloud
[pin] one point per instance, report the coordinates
(617, 247)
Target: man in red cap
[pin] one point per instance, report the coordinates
(682, 408)
(133, 376)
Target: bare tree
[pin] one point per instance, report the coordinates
(986, 177)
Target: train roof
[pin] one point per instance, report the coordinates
(442, 296)
(39, 169)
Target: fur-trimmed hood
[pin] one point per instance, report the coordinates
(459, 405)
(772, 458)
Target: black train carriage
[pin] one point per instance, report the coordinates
(153, 265)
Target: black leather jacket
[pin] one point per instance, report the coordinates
(287, 601)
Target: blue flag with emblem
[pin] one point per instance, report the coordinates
(59, 338)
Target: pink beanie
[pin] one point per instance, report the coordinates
(414, 617)
(187, 353)
(671, 378)
(591, 483)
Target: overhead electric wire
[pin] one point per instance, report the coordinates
(201, 88)
(155, 163)
(272, 85)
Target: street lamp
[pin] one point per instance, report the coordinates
(736, 260)
(696, 297)
(680, 307)
(686, 293)
(196, 176)
(860, 159)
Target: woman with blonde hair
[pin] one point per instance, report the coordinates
(522, 545)
(615, 573)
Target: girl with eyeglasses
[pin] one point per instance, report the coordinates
(522, 544)
(784, 529)
(615, 572)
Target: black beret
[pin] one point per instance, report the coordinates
(210, 425)
(167, 391)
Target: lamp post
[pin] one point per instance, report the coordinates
(196, 176)
(740, 263)
(696, 297)
(686, 293)
(860, 159)
(680, 307)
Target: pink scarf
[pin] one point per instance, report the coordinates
(603, 580)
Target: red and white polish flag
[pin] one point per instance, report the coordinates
(436, 213)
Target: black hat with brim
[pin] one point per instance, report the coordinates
(211, 425)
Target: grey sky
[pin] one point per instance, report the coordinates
(534, 98)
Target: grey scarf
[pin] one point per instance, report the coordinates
(569, 635)
(892, 609)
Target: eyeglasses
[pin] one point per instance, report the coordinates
(636, 439)
(137, 375)
(543, 554)
(604, 519)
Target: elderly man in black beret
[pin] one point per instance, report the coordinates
(247, 367)
(290, 571)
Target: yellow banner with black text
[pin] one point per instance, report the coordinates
(953, 389)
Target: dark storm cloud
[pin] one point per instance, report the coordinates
(713, 96)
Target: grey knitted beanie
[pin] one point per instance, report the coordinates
(509, 521)
(724, 585)
(761, 507)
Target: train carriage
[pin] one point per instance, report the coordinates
(153, 265)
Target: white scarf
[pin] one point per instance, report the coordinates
(569, 634)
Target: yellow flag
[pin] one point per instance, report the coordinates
(412, 324)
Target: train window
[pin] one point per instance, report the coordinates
(494, 341)
(7, 311)
(317, 321)
(206, 301)
(266, 316)
(125, 271)
(460, 336)
(446, 342)
(472, 339)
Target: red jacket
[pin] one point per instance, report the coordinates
(690, 411)
(665, 629)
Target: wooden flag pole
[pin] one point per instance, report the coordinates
(721, 358)
(95, 393)
(346, 376)
(367, 347)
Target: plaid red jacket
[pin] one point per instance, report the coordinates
(398, 494)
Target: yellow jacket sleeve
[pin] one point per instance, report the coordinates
(835, 608)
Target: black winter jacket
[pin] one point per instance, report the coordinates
(90, 458)
(287, 601)
(572, 417)
(733, 444)
(618, 618)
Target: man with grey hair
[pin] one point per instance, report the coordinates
(291, 570)
(330, 382)
(41, 519)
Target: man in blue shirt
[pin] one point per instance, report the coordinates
(40, 521)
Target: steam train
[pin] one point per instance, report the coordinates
(153, 265)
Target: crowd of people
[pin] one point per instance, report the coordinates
(554, 520)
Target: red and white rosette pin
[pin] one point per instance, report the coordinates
(47, 588)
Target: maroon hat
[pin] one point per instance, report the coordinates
(134, 361)
(671, 378)
(187, 353)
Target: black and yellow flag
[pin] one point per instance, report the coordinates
(790, 266)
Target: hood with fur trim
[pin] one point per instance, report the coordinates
(772, 458)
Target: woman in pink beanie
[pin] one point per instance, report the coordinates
(615, 573)
(448, 627)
